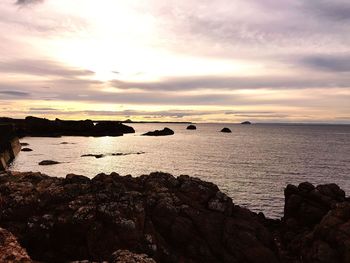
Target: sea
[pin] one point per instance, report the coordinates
(252, 165)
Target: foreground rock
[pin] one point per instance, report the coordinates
(11, 250)
(125, 256)
(316, 224)
(32, 126)
(164, 132)
(191, 127)
(169, 219)
(160, 218)
(226, 130)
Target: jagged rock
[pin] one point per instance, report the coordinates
(169, 219)
(329, 242)
(191, 127)
(306, 204)
(48, 162)
(164, 132)
(226, 130)
(11, 250)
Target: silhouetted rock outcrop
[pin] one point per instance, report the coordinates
(164, 132)
(32, 126)
(226, 130)
(246, 123)
(191, 127)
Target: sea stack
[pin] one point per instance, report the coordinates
(226, 130)
(191, 127)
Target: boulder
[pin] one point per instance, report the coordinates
(246, 123)
(191, 127)
(164, 132)
(48, 162)
(26, 150)
(226, 130)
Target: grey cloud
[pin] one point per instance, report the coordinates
(234, 83)
(14, 93)
(42, 109)
(334, 63)
(42, 68)
(27, 2)
(338, 10)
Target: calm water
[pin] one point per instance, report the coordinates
(252, 165)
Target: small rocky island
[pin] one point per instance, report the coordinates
(165, 132)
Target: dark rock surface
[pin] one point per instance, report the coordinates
(226, 130)
(164, 132)
(11, 250)
(191, 127)
(160, 218)
(32, 126)
(246, 123)
(9, 145)
(125, 256)
(48, 162)
(170, 219)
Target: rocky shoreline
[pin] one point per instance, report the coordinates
(41, 127)
(161, 218)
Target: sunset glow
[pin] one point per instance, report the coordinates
(201, 61)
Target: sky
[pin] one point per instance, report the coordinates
(176, 60)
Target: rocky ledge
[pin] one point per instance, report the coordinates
(32, 126)
(160, 218)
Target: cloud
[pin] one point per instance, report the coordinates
(41, 68)
(14, 93)
(235, 83)
(28, 2)
(338, 10)
(332, 62)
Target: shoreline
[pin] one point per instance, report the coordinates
(166, 218)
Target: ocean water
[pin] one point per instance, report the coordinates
(252, 165)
